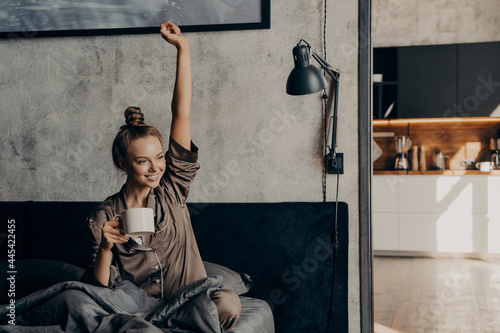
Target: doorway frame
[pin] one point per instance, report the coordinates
(365, 134)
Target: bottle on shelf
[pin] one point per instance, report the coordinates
(423, 162)
(414, 158)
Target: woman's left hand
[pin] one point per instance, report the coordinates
(172, 34)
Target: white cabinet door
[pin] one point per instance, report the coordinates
(494, 233)
(385, 232)
(418, 232)
(473, 195)
(427, 194)
(385, 193)
(453, 232)
(494, 195)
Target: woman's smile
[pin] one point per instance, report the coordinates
(154, 177)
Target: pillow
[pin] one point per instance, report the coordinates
(240, 283)
(36, 274)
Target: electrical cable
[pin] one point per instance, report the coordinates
(335, 247)
(324, 33)
(325, 105)
(335, 222)
(325, 115)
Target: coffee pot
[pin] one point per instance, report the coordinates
(403, 143)
(439, 160)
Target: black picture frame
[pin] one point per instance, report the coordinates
(265, 23)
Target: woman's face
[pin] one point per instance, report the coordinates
(145, 163)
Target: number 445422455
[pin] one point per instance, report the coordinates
(11, 243)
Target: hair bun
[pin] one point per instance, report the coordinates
(134, 116)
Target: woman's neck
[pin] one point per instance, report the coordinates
(136, 196)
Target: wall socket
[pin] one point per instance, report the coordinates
(467, 162)
(335, 165)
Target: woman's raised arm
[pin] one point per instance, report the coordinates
(181, 101)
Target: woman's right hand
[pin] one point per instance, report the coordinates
(172, 34)
(111, 234)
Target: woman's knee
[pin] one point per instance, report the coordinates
(228, 306)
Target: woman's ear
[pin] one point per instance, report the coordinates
(122, 164)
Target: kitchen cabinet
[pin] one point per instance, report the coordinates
(385, 232)
(459, 80)
(385, 92)
(385, 213)
(478, 79)
(427, 81)
(428, 194)
(386, 196)
(437, 214)
(446, 232)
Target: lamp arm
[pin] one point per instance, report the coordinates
(335, 75)
(334, 125)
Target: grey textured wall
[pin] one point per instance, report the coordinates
(429, 22)
(62, 101)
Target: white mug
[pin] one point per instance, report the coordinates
(484, 166)
(137, 222)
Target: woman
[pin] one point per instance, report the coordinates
(168, 260)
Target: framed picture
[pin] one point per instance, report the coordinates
(43, 18)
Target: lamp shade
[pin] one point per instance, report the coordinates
(304, 78)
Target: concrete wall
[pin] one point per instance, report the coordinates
(429, 22)
(62, 101)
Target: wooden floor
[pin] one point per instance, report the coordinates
(436, 295)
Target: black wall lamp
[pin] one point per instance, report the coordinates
(306, 79)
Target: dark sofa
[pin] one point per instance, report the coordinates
(285, 248)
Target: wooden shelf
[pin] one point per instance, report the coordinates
(458, 138)
(437, 172)
(390, 172)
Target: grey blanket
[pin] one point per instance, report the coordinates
(78, 307)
